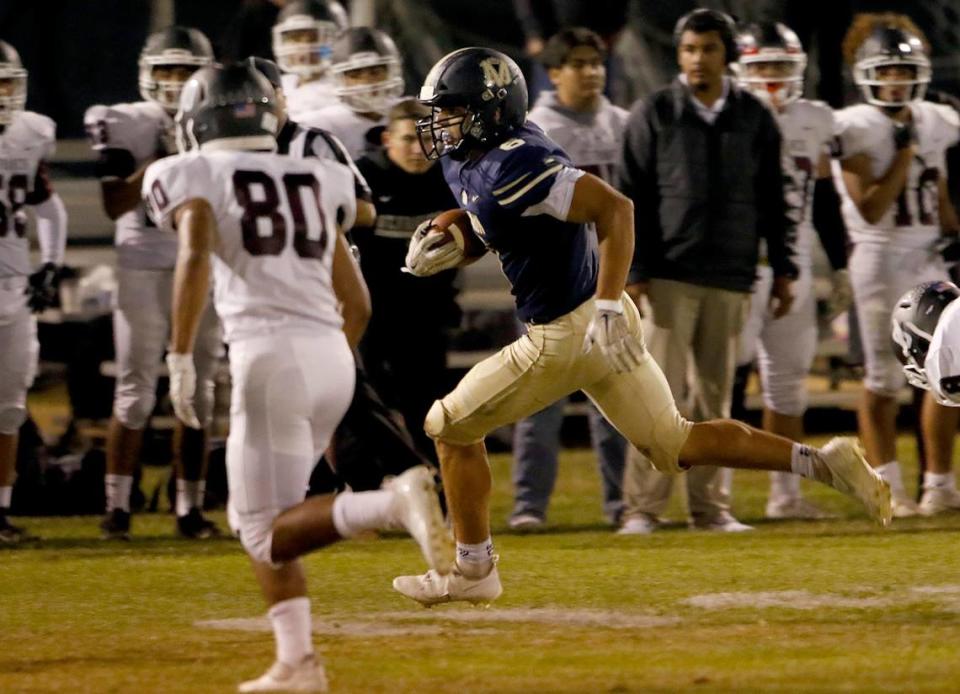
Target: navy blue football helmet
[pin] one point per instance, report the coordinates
(481, 92)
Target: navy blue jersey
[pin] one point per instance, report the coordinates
(551, 264)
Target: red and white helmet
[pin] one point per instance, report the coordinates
(775, 45)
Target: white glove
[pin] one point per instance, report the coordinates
(841, 294)
(608, 328)
(183, 386)
(428, 254)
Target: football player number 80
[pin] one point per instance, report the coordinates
(267, 208)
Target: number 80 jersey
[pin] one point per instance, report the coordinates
(277, 222)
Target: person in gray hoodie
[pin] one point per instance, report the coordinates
(578, 117)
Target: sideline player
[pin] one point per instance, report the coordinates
(128, 137)
(27, 139)
(368, 81)
(533, 208)
(303, 39)
(771, 65)
(269, 230)
(892, 154)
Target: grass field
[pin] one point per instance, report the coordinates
(831, 606)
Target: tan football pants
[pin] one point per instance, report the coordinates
(701, 323)
(549, 363)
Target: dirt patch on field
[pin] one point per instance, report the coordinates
(433, 622)
(947, 595)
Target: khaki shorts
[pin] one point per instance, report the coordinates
(547, 364)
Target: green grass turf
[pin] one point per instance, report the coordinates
(583, 610)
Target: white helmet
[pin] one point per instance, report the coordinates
(771, 43)
(175, 46)
(889, 46)
(317, 21)
(360, 48)
(12, 71)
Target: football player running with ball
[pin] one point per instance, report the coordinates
(535, 211)
(26, 140)
(127, 138)
(269, 229)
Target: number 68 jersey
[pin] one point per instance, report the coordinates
(277, 222)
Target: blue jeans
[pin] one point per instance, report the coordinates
(536, 447)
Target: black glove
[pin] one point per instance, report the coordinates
(42, 288)
(904, 134)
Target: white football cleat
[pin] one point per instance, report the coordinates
(643, 524)
(939, 500)
(433, 589)
(904, 506)
(416, 508)
(852, 475)
(525, 522)
(724, 522)
(794, 508)
(307, 676)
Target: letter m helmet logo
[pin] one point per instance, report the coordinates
(496, 72)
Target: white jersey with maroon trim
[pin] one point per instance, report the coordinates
(126, 136)
(808, 129)
(912, 221)
(25, 144)
(277, 223)
(304, 97)
(348, 126)
(942, 365)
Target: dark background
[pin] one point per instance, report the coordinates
(80, 52)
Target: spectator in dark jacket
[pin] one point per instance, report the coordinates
(701, 161)
(405, 346)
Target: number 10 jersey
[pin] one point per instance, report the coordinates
(277, 221)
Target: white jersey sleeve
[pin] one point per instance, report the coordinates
(170, 182)
(942, 365)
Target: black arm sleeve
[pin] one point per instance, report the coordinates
(115, 163)
(636, 178)
(42, 190)
(776, 226)
(828, 222)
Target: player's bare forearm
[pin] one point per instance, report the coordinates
(123, 194)
(611, 212)
(351, 291)
(196, 227)
(874, 197)
(615, 233)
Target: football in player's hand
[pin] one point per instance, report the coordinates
(456, 225)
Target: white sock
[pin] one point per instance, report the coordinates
(784, 485)
(890, 472)
(475, 561)
(931, 480)
(118, 491)
(354, 512)
(805, 462)
(189, 495)
(6, 493)
(292, 629)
